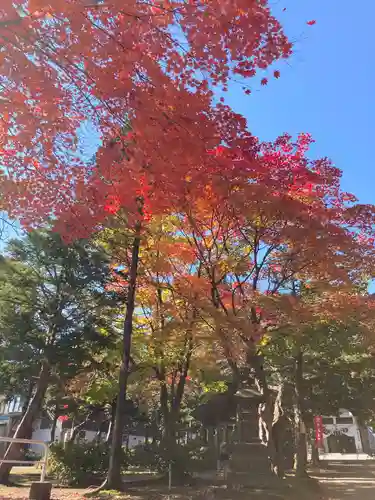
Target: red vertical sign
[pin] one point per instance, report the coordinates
(318, 424)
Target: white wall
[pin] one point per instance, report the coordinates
(45, 436)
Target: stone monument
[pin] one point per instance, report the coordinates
(250, 464)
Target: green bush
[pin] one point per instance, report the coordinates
(148, 458)
(201, 456)
(158, 457)
(187, 458)
(80, 464)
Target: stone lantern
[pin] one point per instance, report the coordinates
(250, 464)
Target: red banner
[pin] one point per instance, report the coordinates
(318, 424)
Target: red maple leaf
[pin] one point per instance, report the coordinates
(247, 91)
(264, 81)
(311, 23)
(276, 74)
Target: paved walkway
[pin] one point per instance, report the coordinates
(348, 481)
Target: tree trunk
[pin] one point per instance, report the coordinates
(314, 454)
(98, 436)
(255, 363)
(170, 404)
(54, 425)
(169, 438)
(169, 427)
(111, 422)
(300, 460)
(24, 429)
(109, 432)
(114, 472)
(278, 433)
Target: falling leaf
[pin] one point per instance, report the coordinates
(311, 23)
(276, 74)
(264, 81)
(247, 91)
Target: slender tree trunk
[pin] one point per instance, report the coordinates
(314, 454)
(54, 425)
(169, 427)
(171, 415)
(170, 404)
(300, 460)
(109, 432)
(278, 432)
(168, 441)
(108, 437)
(114, 472)
(100, 430)
(98, 436)
(24, 429)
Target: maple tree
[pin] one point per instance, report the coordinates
(239, 252)
(283, 221)
(172, 346)
(154, 65)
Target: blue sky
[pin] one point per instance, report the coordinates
(327, 88)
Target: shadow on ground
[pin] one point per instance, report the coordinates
(344, 481)
(197, 492)
(335, 482)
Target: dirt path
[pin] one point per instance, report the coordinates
(348, 481)
(340, 481)
(23, 494)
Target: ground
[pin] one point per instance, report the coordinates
(348, 481)
(338, 481)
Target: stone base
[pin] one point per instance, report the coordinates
(40, 491)
(250, 466)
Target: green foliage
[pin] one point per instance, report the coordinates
(149, 457)
(80, 464)
(191, 457)
(54, 306)
(339, 370)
